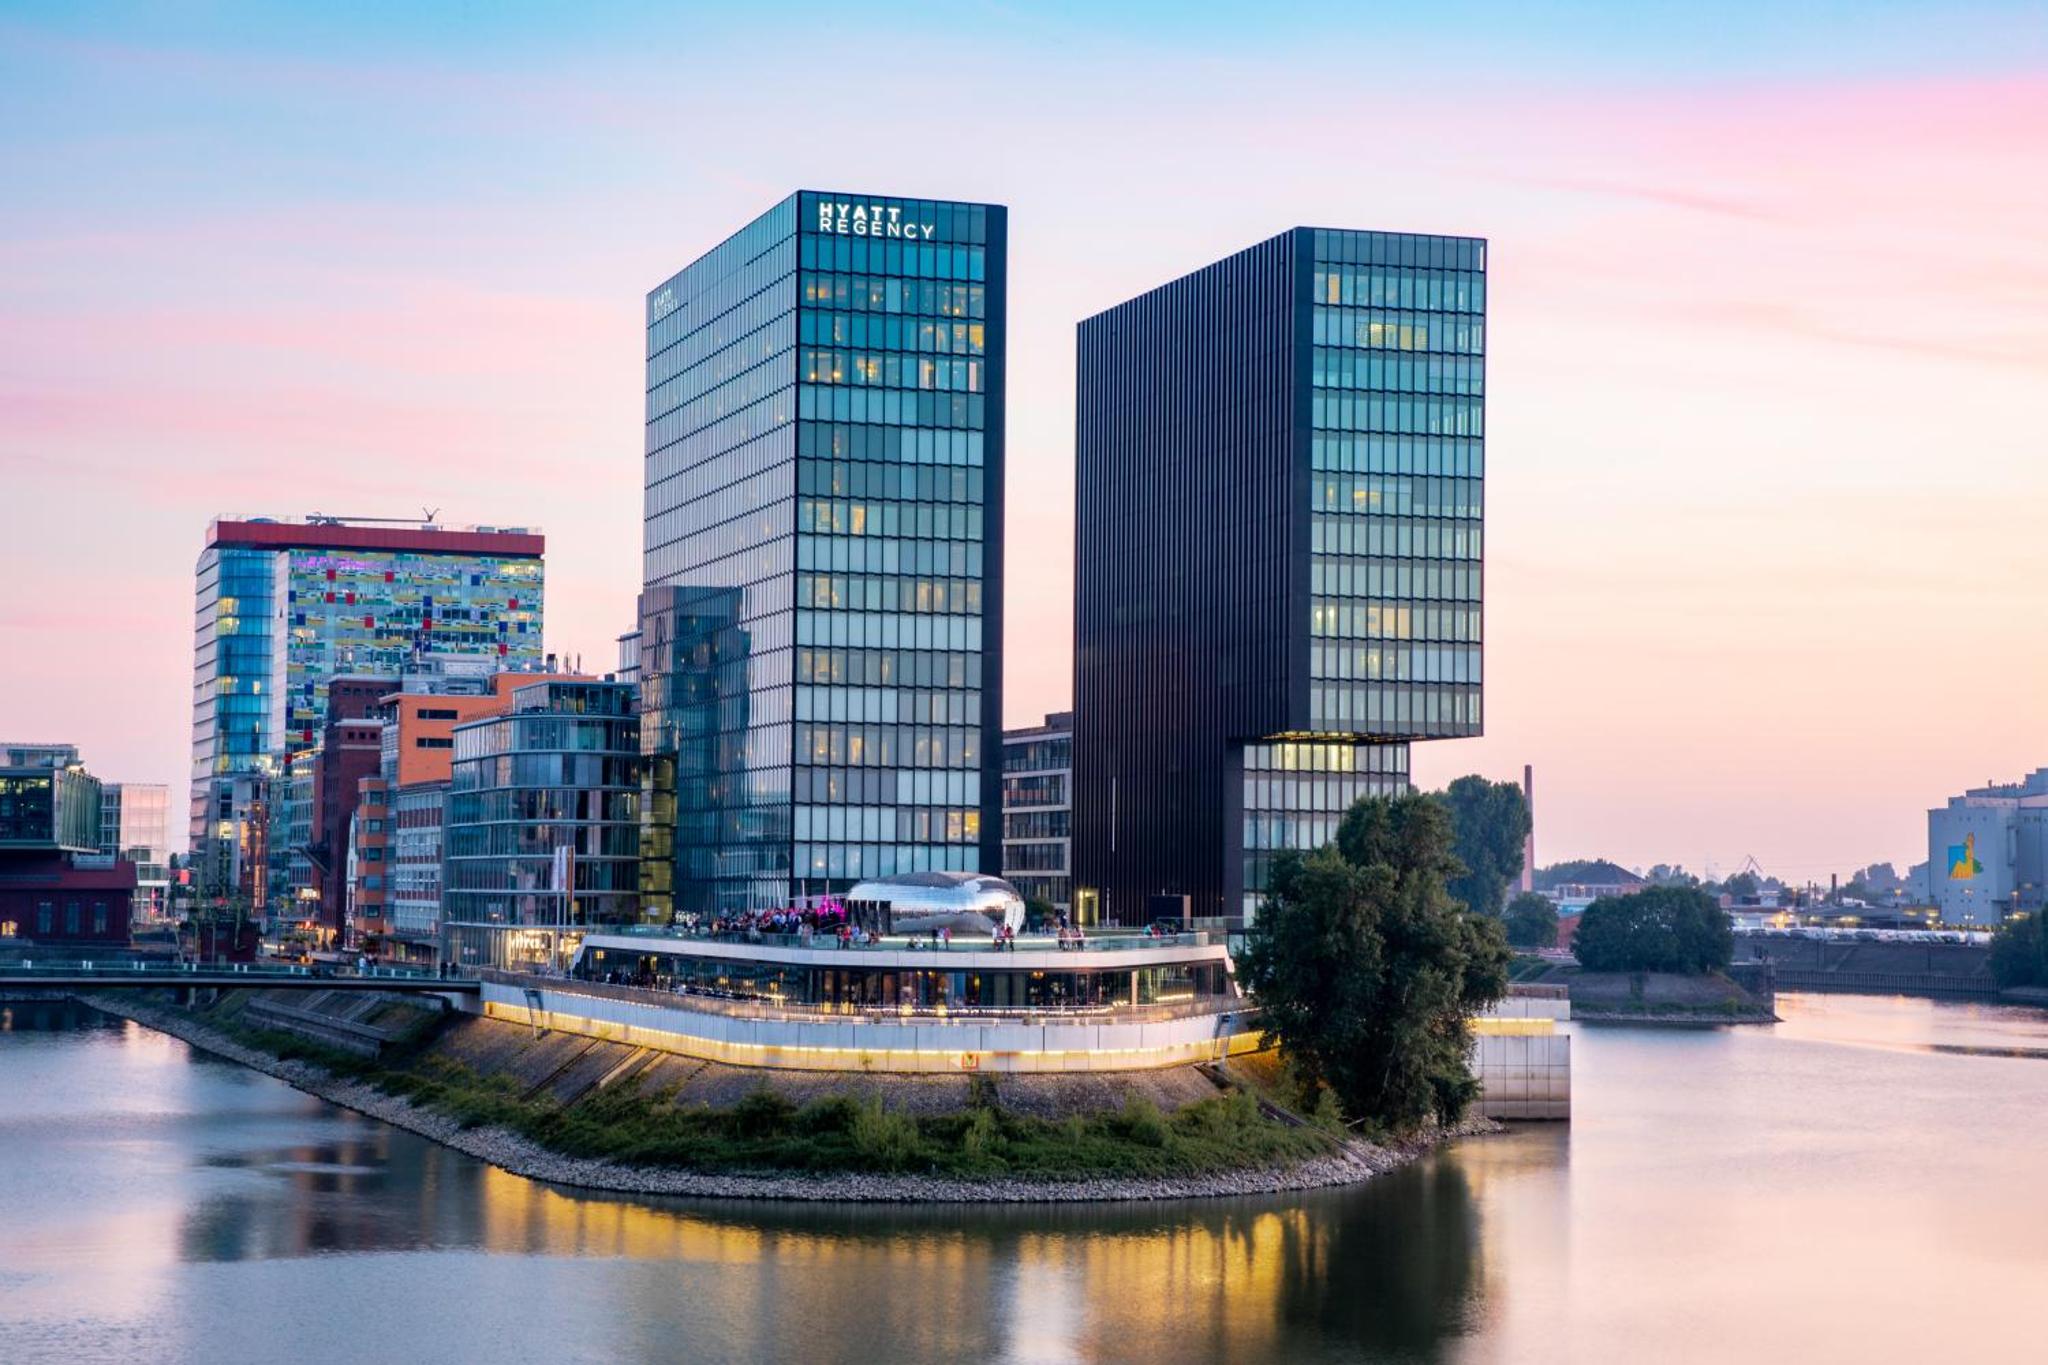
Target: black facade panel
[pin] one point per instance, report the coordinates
(1190, 563)
(994, 501)
(1278, 556)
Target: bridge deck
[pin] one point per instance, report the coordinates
(126, 977)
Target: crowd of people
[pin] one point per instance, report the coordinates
(831, 921)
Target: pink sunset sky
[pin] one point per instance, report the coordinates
(1768, 369)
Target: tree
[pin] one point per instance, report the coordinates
(1657, 929)
(1743, 884)
(2019, 953)
(1531, 921)
(1582, 872)
(1672, 874)
(1367, 972)
(1491, 820)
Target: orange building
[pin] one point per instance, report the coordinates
(425, 731)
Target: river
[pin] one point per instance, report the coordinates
(1863, 1181)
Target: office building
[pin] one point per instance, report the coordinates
(1278, 503)
(543, 811)
(282, 607)
(820, 632)
(418, 824)
(1038, 810)
(135, 820)
(1987, 851)
(56, 887)
(395, 839)
(351, 749)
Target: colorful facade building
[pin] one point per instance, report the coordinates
(284, 606)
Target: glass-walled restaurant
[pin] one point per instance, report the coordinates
(857, 988)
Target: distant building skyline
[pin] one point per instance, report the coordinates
(1987, 851)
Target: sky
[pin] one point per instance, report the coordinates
(1767, 506)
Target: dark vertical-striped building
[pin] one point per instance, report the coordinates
(1279, 493)
(820, 639)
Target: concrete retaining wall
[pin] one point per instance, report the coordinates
(1524, 1075)
(868, 1045)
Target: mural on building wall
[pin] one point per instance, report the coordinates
(1962, 860)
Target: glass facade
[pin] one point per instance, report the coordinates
(54, 809)
(850, 987)
(819, 641)
(237, 696)
(135, 826)
(1038, 776)
(418, 813)
(1396, 493)
(1279, 557)
(543, 810)
(373, 611)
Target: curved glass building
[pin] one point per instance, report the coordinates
(543, 810)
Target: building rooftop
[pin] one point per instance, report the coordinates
(1055, 723)
(370, 533)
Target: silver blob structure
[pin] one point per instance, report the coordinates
(923, 902)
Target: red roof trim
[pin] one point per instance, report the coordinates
(280, 535)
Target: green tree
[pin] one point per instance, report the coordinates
(1672, 874)
(1657, 929)
(2019, 953)
(1531, 921)
(1491, 820)
(1367, 972)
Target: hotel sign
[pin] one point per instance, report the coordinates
(869, 220)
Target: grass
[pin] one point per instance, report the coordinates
(766, 1132)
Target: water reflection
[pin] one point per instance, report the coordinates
(1836, 1185)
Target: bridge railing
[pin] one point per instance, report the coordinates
(33, 968)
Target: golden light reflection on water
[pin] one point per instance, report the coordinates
(1230, 1280)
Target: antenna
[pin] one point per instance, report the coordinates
(427, 514)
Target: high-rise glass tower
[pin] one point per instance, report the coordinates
(821, 628)
(1279, 490)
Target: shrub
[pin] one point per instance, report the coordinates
(762, 1113)
(833, 1114)
(978, 1138)
(888, 1140)
(1325, 1112)
(1141, 1122)
(2019, 956)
